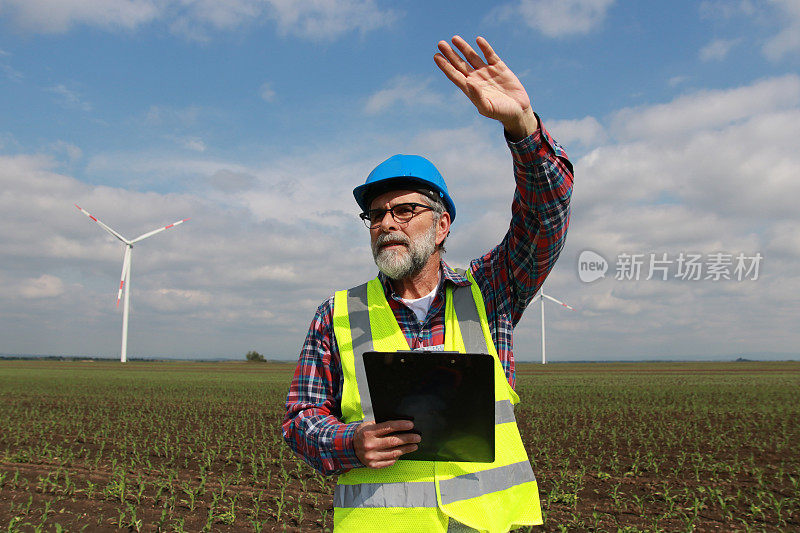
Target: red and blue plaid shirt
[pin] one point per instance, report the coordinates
(509, 277)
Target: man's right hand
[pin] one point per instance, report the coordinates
(490, 85)
(380, 445)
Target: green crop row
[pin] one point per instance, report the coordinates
(97, 446)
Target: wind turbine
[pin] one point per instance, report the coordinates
(125, 279)
(541, 296)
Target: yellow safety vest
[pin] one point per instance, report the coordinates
(422, 496)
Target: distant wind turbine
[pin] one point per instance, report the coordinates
(125, 279)
(541, 296)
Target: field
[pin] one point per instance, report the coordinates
(95, 446)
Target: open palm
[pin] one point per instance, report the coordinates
(489, 84)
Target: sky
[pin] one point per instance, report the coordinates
(257, 118)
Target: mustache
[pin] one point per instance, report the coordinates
(393, 238)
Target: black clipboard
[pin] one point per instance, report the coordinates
(448, 396)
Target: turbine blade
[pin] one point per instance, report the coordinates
(558, 302)
(159, 230)
(125, 260)
(111, 231)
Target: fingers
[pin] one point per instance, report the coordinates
(469, 54)
(453, 58)
(452, 74)
(385, 457)
(392, 426)
(488, 52)
(401, 440)
(455, 67)
(388, 458)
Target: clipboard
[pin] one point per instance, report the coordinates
(449, 397)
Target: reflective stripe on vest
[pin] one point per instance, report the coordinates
(423, 494)
(386, 495)
(504, 412)
(358, 309)
(496, 479)
(412, 485)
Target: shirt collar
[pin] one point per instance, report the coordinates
(448, 274)
(455, 277)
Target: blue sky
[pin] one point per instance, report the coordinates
(256, 119)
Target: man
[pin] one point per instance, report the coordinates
(419, 302)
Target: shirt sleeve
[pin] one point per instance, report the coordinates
(312, 426)
(510, 274)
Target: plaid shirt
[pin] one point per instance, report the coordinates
(509, 277)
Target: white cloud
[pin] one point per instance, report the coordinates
(58, 16)
(45, 286)
(171, 116)
(178, 300)
(327, 19)
(717, 50)
(72, 152)
(228, 181)
(784, 239)
(8, 71)
(784, 14)
(726, 9)
(405, 90)
(707, 109)
(709, 171)
(197, 19)
(230, 279)
(788, 39)
(193, 143)
(266, 92)
(586, 131)
(677, 80)
(177, 124)
(608, 302)
(558, 18)
(69, 98)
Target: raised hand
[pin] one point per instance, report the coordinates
(489, 84)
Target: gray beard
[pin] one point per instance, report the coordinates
(404, 263)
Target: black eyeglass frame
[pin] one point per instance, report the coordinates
(380, 214)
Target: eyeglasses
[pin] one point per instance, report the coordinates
(401, 213)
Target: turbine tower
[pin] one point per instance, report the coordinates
(125, 279)
(541, 296)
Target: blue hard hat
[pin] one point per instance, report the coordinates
(403, 172)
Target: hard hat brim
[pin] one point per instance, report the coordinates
(364, 194)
